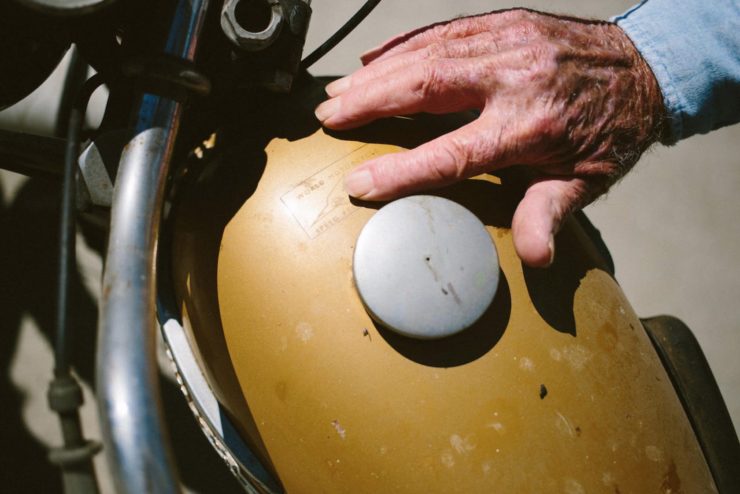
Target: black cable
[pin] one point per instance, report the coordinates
(67, 222)
(343, 31)
(73, 81)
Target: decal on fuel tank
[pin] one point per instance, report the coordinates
(320, 201)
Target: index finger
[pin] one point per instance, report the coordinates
(475, 148)
(433, 86)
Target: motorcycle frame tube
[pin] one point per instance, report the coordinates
(129, 401)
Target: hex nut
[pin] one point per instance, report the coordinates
(248, 40)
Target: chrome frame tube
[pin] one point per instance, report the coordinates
(134, 433)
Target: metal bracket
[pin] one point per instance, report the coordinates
(99, 165)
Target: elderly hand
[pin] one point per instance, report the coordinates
(571, 98)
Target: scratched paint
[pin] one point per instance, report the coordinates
(338, 427)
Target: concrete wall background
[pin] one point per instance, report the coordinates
(672, 225)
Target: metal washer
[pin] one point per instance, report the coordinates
(425, 267)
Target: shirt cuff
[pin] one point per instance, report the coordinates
(691, 47)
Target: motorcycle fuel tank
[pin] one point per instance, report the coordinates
(554, 388)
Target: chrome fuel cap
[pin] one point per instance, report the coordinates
(425, 267)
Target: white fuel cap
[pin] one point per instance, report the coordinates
(425, 267)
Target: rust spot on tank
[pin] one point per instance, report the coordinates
(608, 336)
(671, 482)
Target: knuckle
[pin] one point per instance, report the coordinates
(544, 51)
(527, 26)
(430, 80)
(435, 50)
(515, 14)
(490, 41)
(443, 30)
(528, 29)
(539, 63)
(483, 150)
(383, 171)
(453, 163)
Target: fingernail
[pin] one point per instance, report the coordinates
(359, 183)
(327, 109)
(551, 246)
(339, 86)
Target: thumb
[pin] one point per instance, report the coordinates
(540, 215)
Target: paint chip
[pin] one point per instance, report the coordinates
(497, 426)
(577, 356)
(543, 391)
(572, 486)
(653, 453)
(304, 331)
(461, 445)
(338, 427)
(526, 364)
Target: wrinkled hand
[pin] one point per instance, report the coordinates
(571, 98)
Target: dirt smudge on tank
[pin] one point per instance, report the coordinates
(671, 482)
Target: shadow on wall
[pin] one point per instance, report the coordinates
(28, 270)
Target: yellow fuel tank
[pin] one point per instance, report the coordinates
(557, 387)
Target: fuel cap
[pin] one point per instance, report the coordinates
(425, 267)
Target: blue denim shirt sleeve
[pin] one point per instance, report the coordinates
(693, 47)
